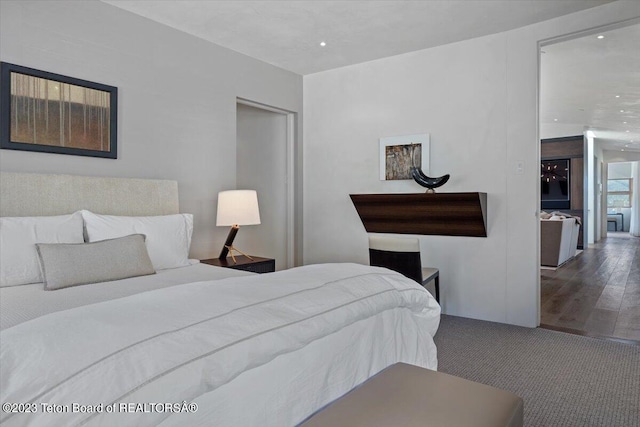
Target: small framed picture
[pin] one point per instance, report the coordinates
(399, 153)
(52, 113)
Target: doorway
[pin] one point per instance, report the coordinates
(619, 189)
(264, 162)
(594, 292)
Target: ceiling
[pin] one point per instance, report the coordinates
(288, 33)
(579, 82)
(595, 82)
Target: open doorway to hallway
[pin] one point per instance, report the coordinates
(264, 163)
(589, 124)
(619, 197)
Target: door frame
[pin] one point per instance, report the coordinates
(540, 45)
(290, 174)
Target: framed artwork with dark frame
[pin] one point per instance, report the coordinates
(52, 113)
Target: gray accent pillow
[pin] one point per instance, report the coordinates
(65, 265)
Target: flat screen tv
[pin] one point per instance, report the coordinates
(554, 177)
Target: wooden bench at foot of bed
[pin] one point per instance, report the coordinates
(408, 396)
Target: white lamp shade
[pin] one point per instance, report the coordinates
(238, 207)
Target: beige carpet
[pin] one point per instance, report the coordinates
(565, 380)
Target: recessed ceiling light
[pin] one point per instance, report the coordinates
(555, 120)
(622, 111)
(622, 149)
(624, 123)
(600, 37)
(617, 96)
(323, 44)
(628, 131)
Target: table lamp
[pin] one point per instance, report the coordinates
(236, 208)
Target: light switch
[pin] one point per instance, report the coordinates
(519, 169)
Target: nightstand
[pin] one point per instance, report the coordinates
(258, 265)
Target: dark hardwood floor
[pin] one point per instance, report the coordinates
(597, 293)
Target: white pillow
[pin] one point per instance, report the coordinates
(168, 237)
(19, 263)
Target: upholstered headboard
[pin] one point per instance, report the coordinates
(25, 194)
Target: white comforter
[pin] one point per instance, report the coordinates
(203, 341)
(22, 303)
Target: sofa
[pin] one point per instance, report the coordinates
(558, 240)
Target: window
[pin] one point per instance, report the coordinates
(619, 193)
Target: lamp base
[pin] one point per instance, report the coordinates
(230, 249)
(228, 245)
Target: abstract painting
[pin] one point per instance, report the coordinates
(399, 153)
(48, 112)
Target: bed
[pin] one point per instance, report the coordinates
(195, 345)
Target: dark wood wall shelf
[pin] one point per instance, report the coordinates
(444, 214)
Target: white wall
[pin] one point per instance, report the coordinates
(605, 174)
(559, 130)
(262, 166)
(598, 191)
(589, 232)
(621, 156)
(478, 100)
(177, 97)
(594, 159)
